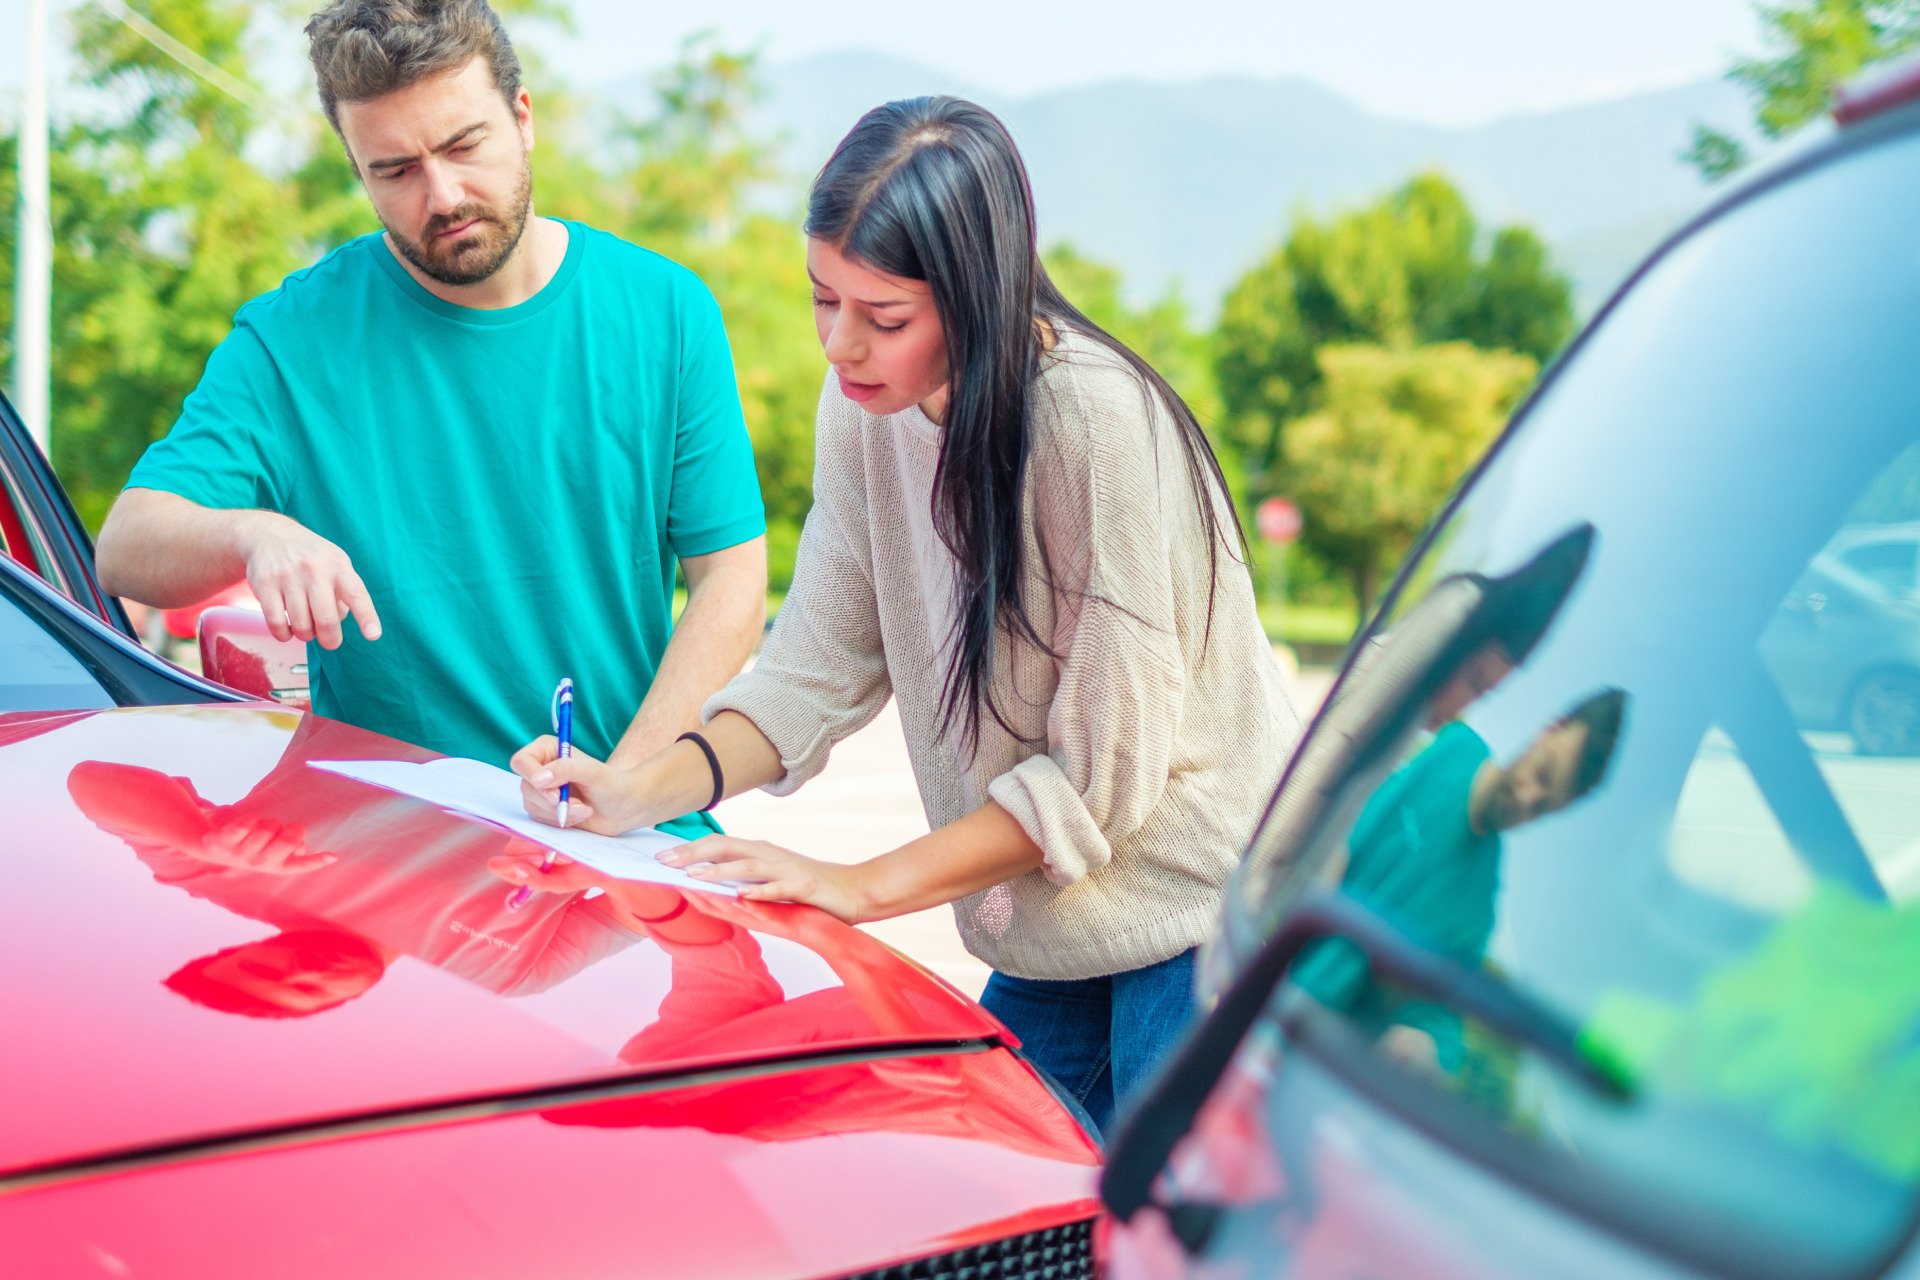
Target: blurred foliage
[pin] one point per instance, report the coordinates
(1405, 271)
(1367, 296)
(1714, 153)
(162, 228)
(1818, 46)
(1394, 430)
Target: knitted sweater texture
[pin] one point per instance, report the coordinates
(1144, 747)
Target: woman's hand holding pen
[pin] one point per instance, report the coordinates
(678, 780)
(601, 799)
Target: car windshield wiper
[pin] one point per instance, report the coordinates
(1166, 1111)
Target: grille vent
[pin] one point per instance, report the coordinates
(1058, 1253)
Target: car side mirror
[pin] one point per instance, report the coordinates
(237, 650)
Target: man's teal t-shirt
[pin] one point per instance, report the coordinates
(1415, 860)
(514, 486)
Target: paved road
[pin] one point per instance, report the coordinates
(865, 803)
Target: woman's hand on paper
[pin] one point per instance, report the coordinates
(601, 798)
(767, 873)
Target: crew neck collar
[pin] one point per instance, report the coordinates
(416, 292)
(916, 420)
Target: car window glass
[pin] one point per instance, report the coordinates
(1891, 564)
(36, 671)
(1725, 900)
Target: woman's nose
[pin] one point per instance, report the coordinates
(842, 345)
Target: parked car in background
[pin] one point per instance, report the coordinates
(1580, 939)
(263, 1020)
(1846, 639)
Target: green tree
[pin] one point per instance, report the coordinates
(1817, 46)
(1405, 271)
(163, 227)
(1394, 431)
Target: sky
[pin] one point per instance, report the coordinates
(1445, 62)
(1438, 61)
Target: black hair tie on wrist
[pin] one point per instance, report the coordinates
(713, 762)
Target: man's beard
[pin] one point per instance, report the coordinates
(482, 251)
(1500, 811)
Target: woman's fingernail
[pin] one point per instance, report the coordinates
(543, 778)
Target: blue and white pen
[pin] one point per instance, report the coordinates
(563, 730)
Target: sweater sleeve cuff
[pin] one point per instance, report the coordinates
(1041, 799)
(800, 737)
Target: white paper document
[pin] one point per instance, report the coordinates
(493, 795)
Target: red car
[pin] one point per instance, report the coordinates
(262, 1020)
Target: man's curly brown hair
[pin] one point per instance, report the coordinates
(363, 49)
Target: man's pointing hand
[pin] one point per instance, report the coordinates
(305, 584)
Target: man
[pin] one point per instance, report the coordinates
(1425, 855)
(484, 435)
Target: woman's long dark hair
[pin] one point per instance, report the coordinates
(933, 189)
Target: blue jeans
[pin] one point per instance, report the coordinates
(1099, 1038)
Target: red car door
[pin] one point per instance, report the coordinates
(40, 529)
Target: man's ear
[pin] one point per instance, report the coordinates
(523, 115)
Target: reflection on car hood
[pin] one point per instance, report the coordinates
(203, 935)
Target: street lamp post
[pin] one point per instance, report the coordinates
(33, 277)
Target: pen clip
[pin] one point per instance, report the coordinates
(563, 690)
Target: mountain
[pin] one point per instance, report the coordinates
(1187, 184)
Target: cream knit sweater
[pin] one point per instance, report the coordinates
(1151, 745)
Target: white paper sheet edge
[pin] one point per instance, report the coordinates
(492, 794)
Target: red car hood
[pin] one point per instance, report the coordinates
(201, 935)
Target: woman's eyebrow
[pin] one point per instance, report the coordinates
(865, 302)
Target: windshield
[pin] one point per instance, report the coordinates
(1679, 804)
(36, 671)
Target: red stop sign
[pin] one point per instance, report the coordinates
(1278, 520)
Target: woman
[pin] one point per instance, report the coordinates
(1019, 532)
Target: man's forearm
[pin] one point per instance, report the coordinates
(726, 610)
(165, 551)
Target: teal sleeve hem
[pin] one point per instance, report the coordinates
(179, 481)
(691, 826)
(708, 541)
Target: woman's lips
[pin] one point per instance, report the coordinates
(859, 390)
